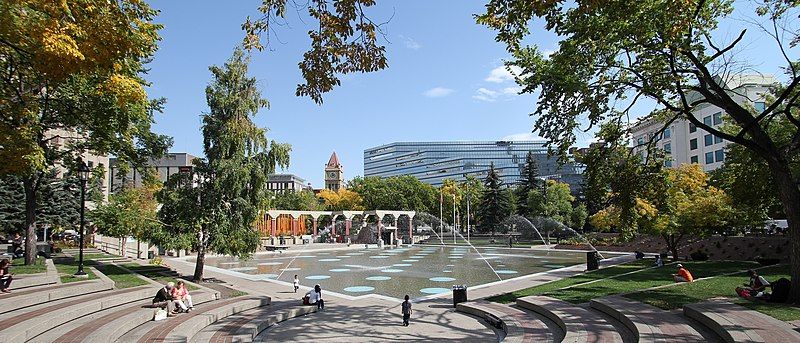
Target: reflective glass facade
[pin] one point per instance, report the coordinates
(433, 162)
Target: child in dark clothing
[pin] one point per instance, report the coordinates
(406, 307)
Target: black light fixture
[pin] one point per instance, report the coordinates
(83, 176)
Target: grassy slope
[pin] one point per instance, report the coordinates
(122, 278)
(18, 266)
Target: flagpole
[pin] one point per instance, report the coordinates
(454, 218)
(441, 222)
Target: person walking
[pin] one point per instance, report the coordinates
(296, 283)
(406, 308)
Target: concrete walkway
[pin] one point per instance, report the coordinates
(375, 319)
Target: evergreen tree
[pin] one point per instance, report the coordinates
(58, 208)
(528, 182)
(495, 203)
(213, 210)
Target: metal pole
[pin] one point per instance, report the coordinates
(441, 222)
(468, 210)
(454, 218)
(80, 234)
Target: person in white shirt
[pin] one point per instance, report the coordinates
(315, 297)
(296, 283)
(758, 284)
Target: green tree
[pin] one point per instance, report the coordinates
(71, 82)
(287, 200)
(395, 193)
(495, 206)
(579, 215)
(528, 182)
(130, 212)
(58, 208)
(558, 204)
(218, 205)
(614, 53)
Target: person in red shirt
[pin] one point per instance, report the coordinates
(683, 275)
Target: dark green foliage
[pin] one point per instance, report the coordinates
(528, 182)
(58, 207)
(396, 193)
(495, 205)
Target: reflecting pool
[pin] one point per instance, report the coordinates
(394, 272)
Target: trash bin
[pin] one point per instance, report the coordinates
(150, 254)
(591, 260)
(459, 294)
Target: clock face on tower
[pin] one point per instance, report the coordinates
(331, 175)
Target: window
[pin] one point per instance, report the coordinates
(707, 120)
(694, 159)
(709, 157)
(760, 106)
(717, 118)
(692, 128)
(717, 139)
(693, 144)
(668, 148)
(667, 133)
(708, 140)
(719, 155)
(668, 163)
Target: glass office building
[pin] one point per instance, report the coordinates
(433, 162)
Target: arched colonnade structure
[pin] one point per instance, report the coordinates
(270, 225)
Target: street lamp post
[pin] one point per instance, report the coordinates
(83, 175)
(466, 183)
(454, 218)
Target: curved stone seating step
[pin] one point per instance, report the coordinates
(183, 326)
(735, 323)
(244, 327)
(42, 294)
(517, 325)
(49, 277)
(109, 325)
(25, 326)
(649, 323)
(579, 324)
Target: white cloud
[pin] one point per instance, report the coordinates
(438, 92)
(512, 90)
(410, 43)
(502, 74)
(528, 136)
(487, 95)
(547, 53)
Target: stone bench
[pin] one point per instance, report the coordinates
(184, 326)
(515, 324)
(39, 295)
(109, 326)
(49, 277)
(29, 324)
(734, 323)
(648, 323)
(244, 327)
(579, 324)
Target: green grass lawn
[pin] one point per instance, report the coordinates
(67, 270)
(574, 280)
(121, 277)
(163, 279)
(95, 256)
(616, 284)
(18, 266)
(722, 286)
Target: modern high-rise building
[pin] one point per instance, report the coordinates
(684, 142)
(433, 162)
(166, 166)
(287, 182)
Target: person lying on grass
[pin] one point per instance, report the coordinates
(683, 275)
(756, 288)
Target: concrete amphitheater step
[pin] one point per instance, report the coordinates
(49, 277)
(516, 324)
(43, 294)
(579, 324)
(26, 325)
(649, 323)
(108, 325)
(734, 323)
(245, 326)
(182, 327)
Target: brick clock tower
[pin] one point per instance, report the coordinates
(334, 177)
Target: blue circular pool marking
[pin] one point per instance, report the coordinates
(270, 263)
(411, 260)
(306, 256)
(379, 256)
(330, 260)
(269, 276)
(359, 289)
(401, 265)
(506, 271)
(392, 270)
(434, 290)
(556, 266)
(378, 278)
(339, 270)
(442, 279)
(290, 269)
(318, 277)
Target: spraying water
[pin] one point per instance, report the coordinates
(518, 219)
(567, 228)
(481, 255)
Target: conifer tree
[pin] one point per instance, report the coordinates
(495, 205)
(528, 181)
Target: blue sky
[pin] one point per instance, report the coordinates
(445, 81)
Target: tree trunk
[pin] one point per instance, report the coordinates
(790, 197)
(672, 245)
(201, 256)
(29, 185)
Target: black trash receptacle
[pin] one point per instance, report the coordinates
(591, 260)
(459, 294)
(150, 255)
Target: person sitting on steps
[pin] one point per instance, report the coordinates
(165, 300)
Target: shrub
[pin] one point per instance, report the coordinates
(699, 255)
